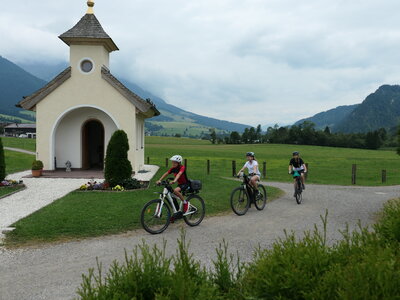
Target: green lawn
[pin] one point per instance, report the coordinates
(327, 165)
(16, 161)
(9, 190)
(87, 214)
(26, 144)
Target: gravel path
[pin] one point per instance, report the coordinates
(20, 150)
(39, 192)
(53, 271)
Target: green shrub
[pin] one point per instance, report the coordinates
(363, 265)
(117, 166)
(37, 165)
(131, 184)
(389, 225)
(2, 162)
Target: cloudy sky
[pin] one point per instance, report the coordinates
(249, 61)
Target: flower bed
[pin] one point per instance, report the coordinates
(129, 184)
(8, 187)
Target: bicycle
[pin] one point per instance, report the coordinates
(242, 197)
(156, 214)
(298, 189)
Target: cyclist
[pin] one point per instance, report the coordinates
(179, 171)
(252, 167)
(297, 164)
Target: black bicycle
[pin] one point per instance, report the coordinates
(156, 214)
(298, 188)
(242, 197)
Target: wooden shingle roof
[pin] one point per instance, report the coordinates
(88, 30)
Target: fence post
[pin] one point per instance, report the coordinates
(354, 174)
(185, 163)
(148, 160)
(208, 167)
(306, 175)
(166, 162)
(233, 168)
(383, 176)
(264, 171)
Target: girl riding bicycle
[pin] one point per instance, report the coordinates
(179, 171)
(297, 164)
(252, 167)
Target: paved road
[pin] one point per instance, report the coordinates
(54, 271)
(20, 150)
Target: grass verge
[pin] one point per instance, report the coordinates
(7, 190)
(20, 143)
(17, 162)
(363, 265)
(89, 214)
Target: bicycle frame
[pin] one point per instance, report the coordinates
(249, 188)
(168, 195)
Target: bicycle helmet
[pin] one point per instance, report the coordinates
(296, 153)
(250, 154)
(176, 158)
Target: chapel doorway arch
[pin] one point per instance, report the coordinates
(92, 145)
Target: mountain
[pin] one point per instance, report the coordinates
(331, 118)
(15, 83)
(172, 120)
(380, 109)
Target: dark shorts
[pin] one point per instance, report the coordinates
(184, 186)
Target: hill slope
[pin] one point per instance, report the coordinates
(15, 83)
(331, 117)
(380, 109)
(172, 120)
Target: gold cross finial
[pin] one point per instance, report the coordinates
(90, 5)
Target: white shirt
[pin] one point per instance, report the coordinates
(250, 165)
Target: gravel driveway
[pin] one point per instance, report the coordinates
(54, 271)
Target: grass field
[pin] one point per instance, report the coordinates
(88, 214)
(9, 190)
(327, 165)
(26, 144)
(16, 162)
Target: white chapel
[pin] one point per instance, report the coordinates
(79, 110)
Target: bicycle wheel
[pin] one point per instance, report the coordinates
(240, 201)
(261, 199)
(299, 197)
(150, 220)
(196, 212)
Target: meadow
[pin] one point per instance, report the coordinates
(20, 143)
(327, 165)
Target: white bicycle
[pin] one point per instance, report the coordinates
(156, 214)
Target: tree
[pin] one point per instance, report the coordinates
(372, 140)
(398, 140)
(235, 137)
(117, 166)
(2, 162)
(213, 137)
(259, 133)
(327, 130)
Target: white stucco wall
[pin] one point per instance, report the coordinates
(68, 135)
(84, 90)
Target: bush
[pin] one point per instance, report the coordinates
(131, 184)
(117, 166)
(37, 165)
(362, 265)
(2, 162)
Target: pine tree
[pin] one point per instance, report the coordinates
(2, 162)
(117, 166)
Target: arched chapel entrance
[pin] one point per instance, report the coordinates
(92, 145)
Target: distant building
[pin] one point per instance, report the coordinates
(79, 110)
(17, 129)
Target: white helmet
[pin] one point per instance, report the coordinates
(176, 158)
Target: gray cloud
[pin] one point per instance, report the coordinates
(252, 61)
